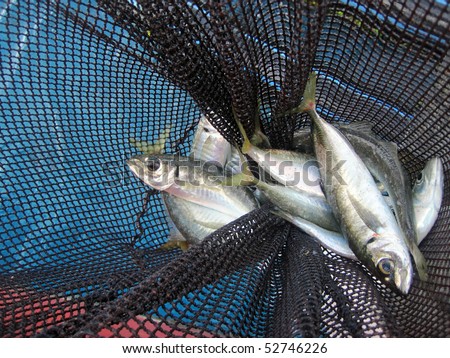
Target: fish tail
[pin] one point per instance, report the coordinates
(309, 96)
(247, 144)
(308, 104)
(244, 178)
(152, 148)
(175, 244)
(259, 138)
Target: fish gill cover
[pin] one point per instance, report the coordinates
(80, 237)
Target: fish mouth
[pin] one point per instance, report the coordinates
(403, 280)
(135, 166)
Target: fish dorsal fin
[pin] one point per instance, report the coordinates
(366, 128)
(152, 148)
(359, 126)
(391, 147)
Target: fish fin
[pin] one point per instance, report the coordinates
(419, 259)
(183, 245)
(140, 145)
(359, 126)
(259, 138)
(152, 148)
(391, 147)
(209, 224)
(366, 216)
(174, 244)
(175, 234)
(244, 178)
(309, 97)
(303, 133)
(247, 144)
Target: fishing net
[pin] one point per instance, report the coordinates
(80, 249)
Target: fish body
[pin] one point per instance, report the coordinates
(294, 170)
(428, 192)
(332, 240)
(427, 199)
(209, 145)
(381, 159)
(194, 221)
(310, 207)
(365, 219)
(194, 181)
(235, 162)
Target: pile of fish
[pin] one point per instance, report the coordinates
(345, 187)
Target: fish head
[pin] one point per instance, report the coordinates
(205, 125)
(430, 178)
(157, 171)
(390, 261)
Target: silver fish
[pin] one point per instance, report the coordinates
(310, 207)
(427, 199)
(195, 181)
(234, 164)
(381, 158)
(428, 192)
(292, 169)
(371, 229)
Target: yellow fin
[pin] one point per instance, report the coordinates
(152, 148)
(259, 139)
(247, 144)
(309, 97)
(175, 244)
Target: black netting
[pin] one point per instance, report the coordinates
(80, 239)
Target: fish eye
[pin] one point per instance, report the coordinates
(386, 266)
(420, 177)
(206, 130)
(153, 164)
